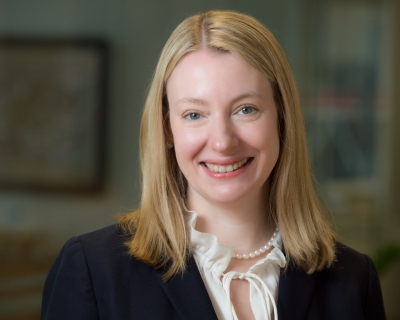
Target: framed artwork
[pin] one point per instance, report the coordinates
(52, 114)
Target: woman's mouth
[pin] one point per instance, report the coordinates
(226, 168)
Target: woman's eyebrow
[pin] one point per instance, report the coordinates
(203, 102)
(247, 95)
(190, 101)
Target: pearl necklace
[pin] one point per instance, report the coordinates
(259, 251)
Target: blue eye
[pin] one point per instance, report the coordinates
(246, 110)
(193, 116)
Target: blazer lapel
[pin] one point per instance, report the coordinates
(189, 295)
(295, 291)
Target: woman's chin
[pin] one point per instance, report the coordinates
(227, 196)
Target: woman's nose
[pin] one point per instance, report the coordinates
(223, 136)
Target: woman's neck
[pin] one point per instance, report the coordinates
(243, 224)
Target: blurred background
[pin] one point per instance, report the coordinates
(73, 79)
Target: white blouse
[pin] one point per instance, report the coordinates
(213, 258)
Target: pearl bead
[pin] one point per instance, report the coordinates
(259, 251)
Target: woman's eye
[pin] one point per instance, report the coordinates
(246, 110)
(193, 116)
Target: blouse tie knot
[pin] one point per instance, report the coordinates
(267, 300)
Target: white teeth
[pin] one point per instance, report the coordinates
(228, 168)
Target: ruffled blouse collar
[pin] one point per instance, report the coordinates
(217, 256)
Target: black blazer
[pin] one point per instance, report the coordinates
(94, 278)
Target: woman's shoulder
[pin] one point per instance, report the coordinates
(91, 272)
(350, 262)
(348, 255)
(349, 266)
(108, 238)
(102, 247)
(354, 274)
(102, 255)
(348, 289)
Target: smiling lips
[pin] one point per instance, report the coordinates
(228, 168)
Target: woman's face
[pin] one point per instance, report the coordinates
(224, 125)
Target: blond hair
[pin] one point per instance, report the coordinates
(160, 235)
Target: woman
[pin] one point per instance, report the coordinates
(229, 225)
